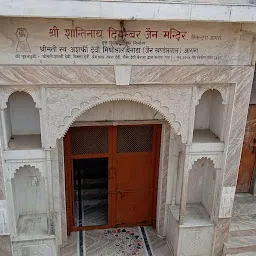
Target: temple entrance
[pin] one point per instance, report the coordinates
(111, 175)
(248, 158)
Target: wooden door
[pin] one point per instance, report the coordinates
(133, 159)
(247, 164)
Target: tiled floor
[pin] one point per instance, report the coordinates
(158, 246)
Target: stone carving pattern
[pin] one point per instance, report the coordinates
(215, 158)
(5, 93)
(226, 203)
(198, 240)
(223, 89)
(64, 105)
(14, 167)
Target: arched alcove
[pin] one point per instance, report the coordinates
(22, 122)
(29, 201)
(201, 185)
(209, 115)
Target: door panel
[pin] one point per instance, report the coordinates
(131, 154)
(134, 172)
(134, 208)
(247, 163)
(135, 184)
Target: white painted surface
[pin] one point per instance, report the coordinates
(7, 123)
(23, 114)
(206, 141)
(165, 10)
(25, 142)
(122, 74)
(30, 196)
(120, 111)
(210, 113)
(203, 112)
(201, 184)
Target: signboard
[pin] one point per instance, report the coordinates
(103, 42)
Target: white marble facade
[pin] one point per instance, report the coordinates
(200, 98)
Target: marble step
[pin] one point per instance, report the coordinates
(243, 226)
(243, 254)
(242, 244)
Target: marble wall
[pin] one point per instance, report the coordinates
(5, 246)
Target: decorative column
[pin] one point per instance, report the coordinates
(184, 187)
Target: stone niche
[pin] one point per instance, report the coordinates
(194, 236)
(209, 117)
(22, 122)
(30, 203)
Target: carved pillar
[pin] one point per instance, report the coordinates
(4, 130)
(184, 187)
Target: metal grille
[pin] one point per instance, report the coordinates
(89, 140)
(134, 139)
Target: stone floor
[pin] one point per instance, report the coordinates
(158, 246)
(242, 233)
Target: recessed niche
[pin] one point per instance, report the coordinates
(30, 203)
(201, 185)
(209, 115)
(22, 122)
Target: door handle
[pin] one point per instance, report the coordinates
(111, 172)
(121, 193)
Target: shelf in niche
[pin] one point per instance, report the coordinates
(25, 142)
(32, 227)
(195, 215)
(206, 141)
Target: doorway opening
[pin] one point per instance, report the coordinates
(91, 191)
(246, 175)
(111, 176)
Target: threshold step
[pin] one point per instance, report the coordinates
(243, 244)
(243, 254)
(243, 226)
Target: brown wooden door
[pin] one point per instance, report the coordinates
(133, 159)
(247, 163)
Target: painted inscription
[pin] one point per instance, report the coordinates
(120, 48)
(115, 43)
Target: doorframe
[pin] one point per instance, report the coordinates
(252, 188)
(68, 165)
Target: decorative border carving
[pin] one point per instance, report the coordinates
(14, 167)
(64, 105)
(222, 89)
(5, 93)
(215, 158)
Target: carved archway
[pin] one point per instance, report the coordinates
(65, 106)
